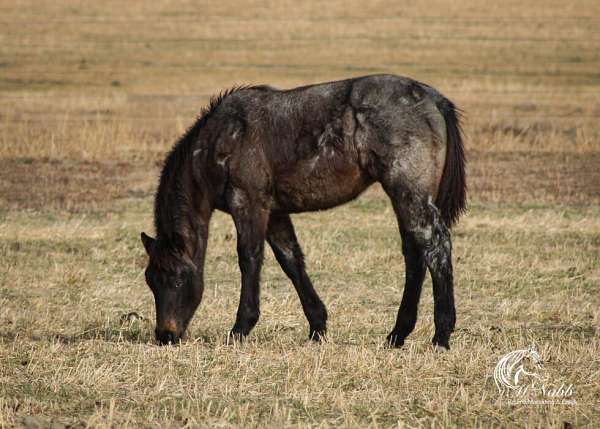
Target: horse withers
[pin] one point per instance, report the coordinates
(260, 154)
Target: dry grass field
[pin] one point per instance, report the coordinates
(92, 95)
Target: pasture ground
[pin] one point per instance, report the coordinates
(93, 95)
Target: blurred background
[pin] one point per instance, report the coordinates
(120, 81)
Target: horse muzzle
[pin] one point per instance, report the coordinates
(168, 333)
(166, 337)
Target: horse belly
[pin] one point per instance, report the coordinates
(319, 183)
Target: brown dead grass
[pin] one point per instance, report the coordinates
(93, 94)
(534, 178)
(86, 81)
(66, 184)
(498, 177)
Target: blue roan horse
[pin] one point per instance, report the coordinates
(259, 154)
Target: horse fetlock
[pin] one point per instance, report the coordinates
(317, 319)
(395, 339)
(245, 321)
(405, 324)
(250, 320)
(444, 326)
(441, 340)
(244, 325)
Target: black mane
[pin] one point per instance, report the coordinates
(171, 199)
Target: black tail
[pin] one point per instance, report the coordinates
(452, 193)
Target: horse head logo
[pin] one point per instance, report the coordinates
(516, 366)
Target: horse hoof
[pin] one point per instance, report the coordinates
(318, 335)
(440, 349)
(234, 338)
(440, 346)
(394, 341)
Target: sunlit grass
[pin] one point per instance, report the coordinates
(93, 94)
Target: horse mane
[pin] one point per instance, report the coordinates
(172, 199)
(217, 99)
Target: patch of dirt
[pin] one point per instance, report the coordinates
(73, 185)
(530, 177)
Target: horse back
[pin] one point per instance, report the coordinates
(319, 146)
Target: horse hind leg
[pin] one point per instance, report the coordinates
(438, 256)
(415, 274)
(421, 220)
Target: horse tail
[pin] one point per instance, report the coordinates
(452, 193)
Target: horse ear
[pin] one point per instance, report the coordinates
(147, 241)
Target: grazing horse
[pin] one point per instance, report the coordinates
(260, 154)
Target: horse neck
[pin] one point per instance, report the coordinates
(179, 224)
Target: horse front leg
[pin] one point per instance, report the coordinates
(251, 224)
(282, 239)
